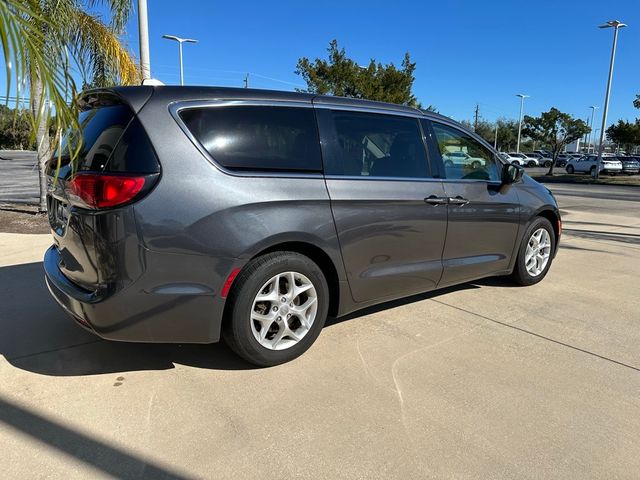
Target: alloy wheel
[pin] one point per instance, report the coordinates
(538, 252)
(284, 310)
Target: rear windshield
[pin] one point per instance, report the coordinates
(258, 138)
(110, 139)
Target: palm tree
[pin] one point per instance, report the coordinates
(43, 40)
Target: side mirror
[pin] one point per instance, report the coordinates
(511, 173)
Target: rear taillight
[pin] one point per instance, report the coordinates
(96, 191)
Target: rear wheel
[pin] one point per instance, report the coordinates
(592, 171)
(570, 169)
(535, 253)
(277, 308)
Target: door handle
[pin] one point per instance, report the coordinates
(433, 200)
(458, 200)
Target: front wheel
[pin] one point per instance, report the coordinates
(570, 169)
(277, 308)
(535, 253)
(547, 164)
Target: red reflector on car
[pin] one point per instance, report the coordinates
(227, 284)
(103, 191)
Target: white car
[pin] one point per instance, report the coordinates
(462, 159)
(523, 160)
(587, 164)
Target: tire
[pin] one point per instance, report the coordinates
(592, 170)
(547, 164)
(240, 329)
(521, 275)
(531, 164)
(475, 165)
(570, 169)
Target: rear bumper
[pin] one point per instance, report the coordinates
(145, 311)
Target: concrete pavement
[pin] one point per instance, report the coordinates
(19, 177)
(484, 380)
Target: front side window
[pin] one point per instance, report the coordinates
(376, 145)
(258, 138)
(463, 156)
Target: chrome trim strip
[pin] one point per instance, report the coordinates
(366, 109)
(387, 179)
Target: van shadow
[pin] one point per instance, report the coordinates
(36, 335)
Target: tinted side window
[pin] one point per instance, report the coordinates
(464, 157)
(258, 138)
(377, 145)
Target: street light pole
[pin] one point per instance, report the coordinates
(593, 111)
(616, 25)
(180, 42)
(522, 97)
(143, 34)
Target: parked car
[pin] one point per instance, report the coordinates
(562, 159)
(542, 160)
(523, 159)
(544, 153)
(587, 164)
(461, 158)
(630, 165)
(252, 215)
(509, 159)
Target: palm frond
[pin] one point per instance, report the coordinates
(98, 45)
(120, 11)
(30, 50)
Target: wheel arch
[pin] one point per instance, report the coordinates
(317, 255)
(553, 216)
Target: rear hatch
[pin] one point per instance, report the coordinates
(89, 196)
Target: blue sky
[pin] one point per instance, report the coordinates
(467, 51)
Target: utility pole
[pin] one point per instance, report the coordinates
(522, 97)
(475, 123)
(616, 25)
(495, 138)
(246, 81)
(143, 34)
(593, 111)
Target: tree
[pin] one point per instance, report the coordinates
(342, 76)
(636, 102)
(15, 129)
(507, 134)
(555, 129)
(625, 133)
(42, 39)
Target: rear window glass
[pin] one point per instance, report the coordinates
(101, 128)
(258, 138)
(133, 153)
(111, 139)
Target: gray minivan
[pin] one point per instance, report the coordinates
(195, 213)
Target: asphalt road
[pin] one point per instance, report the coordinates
(18, 177)
(479, 381)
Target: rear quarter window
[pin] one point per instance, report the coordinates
(257, 138)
